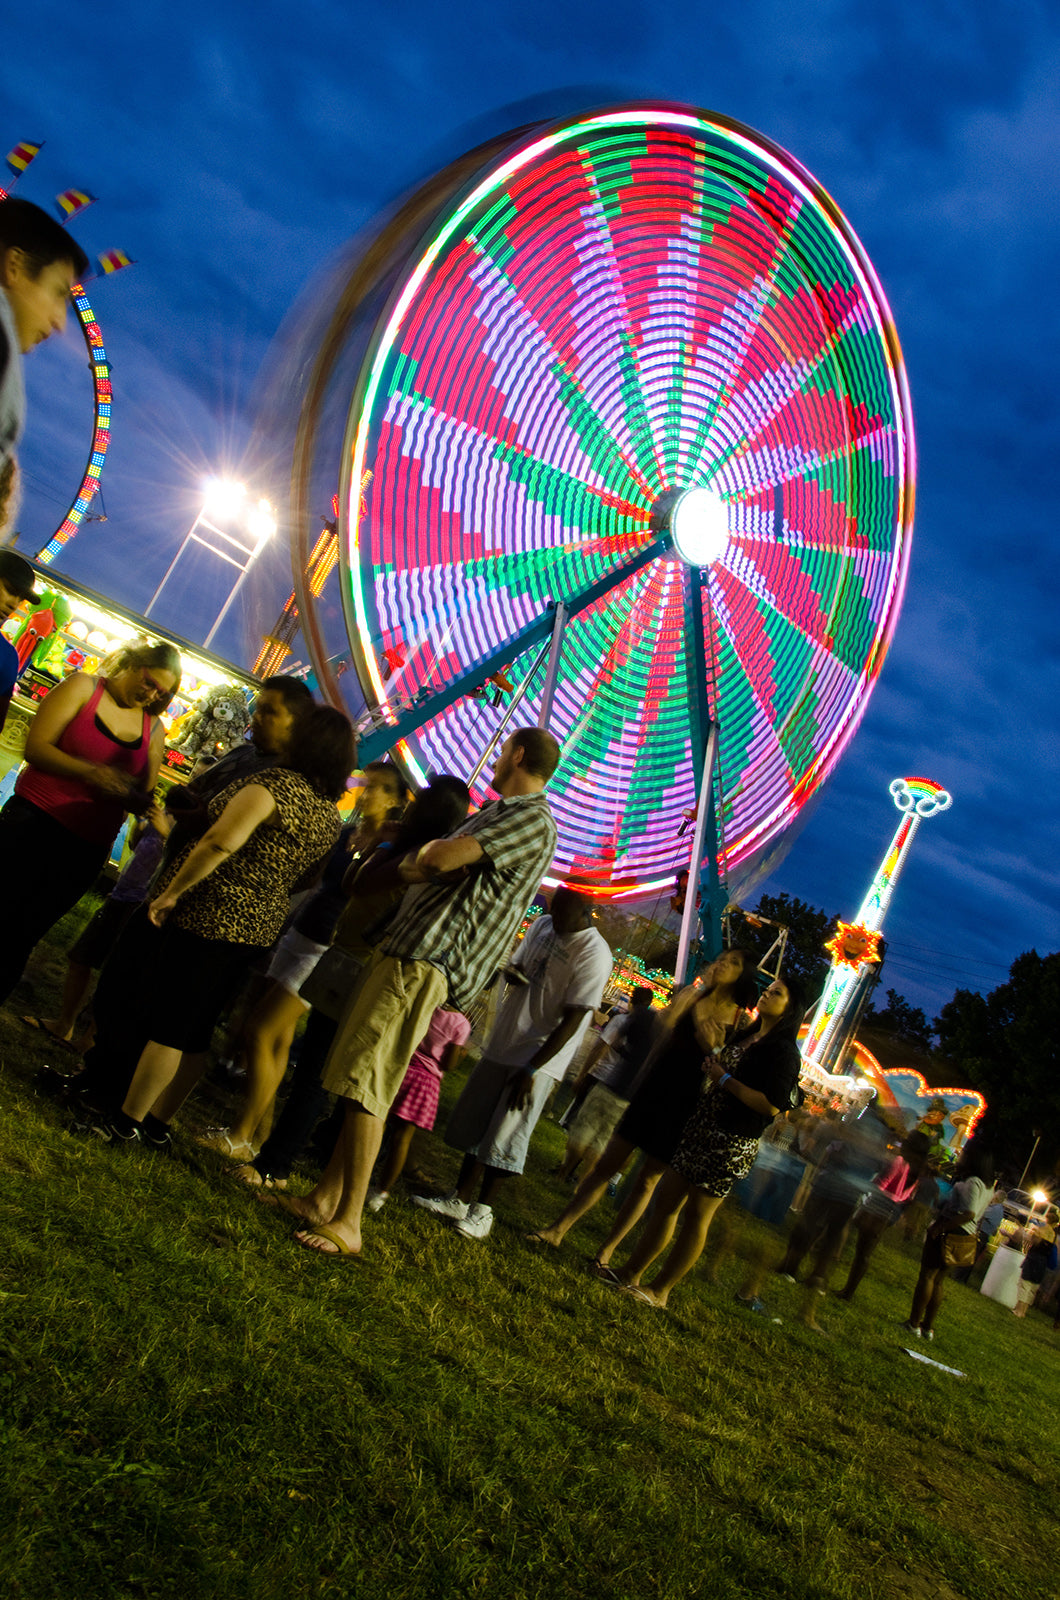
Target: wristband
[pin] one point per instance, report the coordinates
(724, 1078)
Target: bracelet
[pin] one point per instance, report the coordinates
(724, 1078)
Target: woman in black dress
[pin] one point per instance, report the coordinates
(695, 1024)
(751, 1080)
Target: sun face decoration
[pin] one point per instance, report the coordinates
(853, 945)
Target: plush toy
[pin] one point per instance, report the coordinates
(32, 639)
(216, 725)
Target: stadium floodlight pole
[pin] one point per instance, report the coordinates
(261, 524)
(224, 504)
(222, 499)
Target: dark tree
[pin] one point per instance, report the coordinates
(810, 929)
(1007, 1044)
(901, 1020)
(637, 935)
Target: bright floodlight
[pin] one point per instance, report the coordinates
(261, 521)
(223, 498)
(1039, 1197)
(699, 524)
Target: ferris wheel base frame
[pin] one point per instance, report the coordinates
(547, 631)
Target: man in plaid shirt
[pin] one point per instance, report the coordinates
(454, 929)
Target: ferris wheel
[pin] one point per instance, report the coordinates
(630, 386)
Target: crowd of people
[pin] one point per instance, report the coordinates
(246, 896)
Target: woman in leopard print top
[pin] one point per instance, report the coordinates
(221, 905)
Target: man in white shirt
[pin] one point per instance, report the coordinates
(556, 980)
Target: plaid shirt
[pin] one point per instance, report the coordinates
(466, 928)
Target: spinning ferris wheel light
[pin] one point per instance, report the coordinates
(699, 523)
(632, 371)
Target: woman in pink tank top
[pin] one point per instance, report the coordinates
(93, 753)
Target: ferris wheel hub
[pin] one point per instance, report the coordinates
(699, 526)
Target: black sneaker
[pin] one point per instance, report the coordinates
(109, 1133)
(156, 1135)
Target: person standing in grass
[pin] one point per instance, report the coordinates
(556, 980)
(613, 1067)
(374, 893)
(844, 1174)
(1040, 1260)
(693, 1026)
(268, 1033)
(218, 908)
(958, 1217)
(753, 1080)
(416, 1106)
(93, 753)
(469, 894)
(882, 1205)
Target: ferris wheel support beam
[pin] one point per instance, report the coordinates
(548, 693)
(378, 741)
(512, 707)
(699, 865)
(703, 865)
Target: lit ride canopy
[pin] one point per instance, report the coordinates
(639, 364)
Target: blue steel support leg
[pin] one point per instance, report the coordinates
(377, 741)
(703, 874)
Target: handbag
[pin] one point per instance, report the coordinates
(331, 982)
(959, 1249)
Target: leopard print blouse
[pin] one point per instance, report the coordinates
(246, 900)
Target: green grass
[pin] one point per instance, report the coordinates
(192, 1406)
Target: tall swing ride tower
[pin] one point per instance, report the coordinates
(855, 946)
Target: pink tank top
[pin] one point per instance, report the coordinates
(86, 812)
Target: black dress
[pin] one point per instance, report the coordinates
(719, 1143)
(657, 1113)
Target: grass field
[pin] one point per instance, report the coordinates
(193, 1407)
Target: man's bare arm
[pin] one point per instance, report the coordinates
(440, 858)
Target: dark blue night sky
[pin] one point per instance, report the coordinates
(234, 150)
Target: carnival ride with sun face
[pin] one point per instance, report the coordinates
(855, 946)
(626, 397)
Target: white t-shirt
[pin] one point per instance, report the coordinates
(610, 1064)
(561, 972)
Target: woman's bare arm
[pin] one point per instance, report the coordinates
(251, 808)
(56, 712)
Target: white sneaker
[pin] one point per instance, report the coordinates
(449, 1205)
(377, 1199)
(477, 1223)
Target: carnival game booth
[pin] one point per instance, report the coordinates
(73, 629)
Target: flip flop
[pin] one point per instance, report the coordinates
(639, 1294)
(605, 1273)
(322, 1231)
(248, 1175)
(221, 1143)
(37, 1024)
